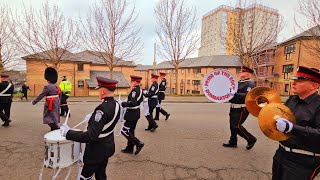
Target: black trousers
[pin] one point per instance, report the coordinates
(294, 166)
(99, 170)
(25, 94)
(5, 111)
(128, 131)
(64, 105)
(237, 118)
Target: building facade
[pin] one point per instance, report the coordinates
(220, 28)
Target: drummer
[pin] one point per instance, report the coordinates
(238, 112)
(99, 136)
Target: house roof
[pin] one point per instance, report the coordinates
(141, 67)
(117, 75)
(84, 56)
(93, 57)
(67, 55)
(314, 31)
(205, 61)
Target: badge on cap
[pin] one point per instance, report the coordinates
(133, 94)
(98, 115)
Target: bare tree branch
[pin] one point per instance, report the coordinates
(176, 31)
(47, 33)
(310, 10)
(255, 28)
(110, 32)
(8, 48)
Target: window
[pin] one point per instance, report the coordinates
(288, 50)
(188, 81)
(195, 92)
(182, 81)
(182, 71)
(80, 67)
(168, 71)
(80, 83)
(195, 82)
(141, 72)
(288, 68)
(196, 70)
(188, 91)
(238, 70)
(286, 88)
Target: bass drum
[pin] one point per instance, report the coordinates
(217, 85)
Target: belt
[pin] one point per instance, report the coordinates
(5, 95)
(299, 151)
(237, 105)
(155, 96)
(162, 91)
(53, 96)
(135, 107)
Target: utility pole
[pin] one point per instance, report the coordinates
(154, 58)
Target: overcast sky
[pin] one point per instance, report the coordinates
(73, 8)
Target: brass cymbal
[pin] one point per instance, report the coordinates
(259, 97)
(267, 120)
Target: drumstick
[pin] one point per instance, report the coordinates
(79, 124)
(66, 121)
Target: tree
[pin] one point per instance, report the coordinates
(46, 34)
(8, 48)
(176, 31)
(253, 29)
(310, 11)
(110, 32)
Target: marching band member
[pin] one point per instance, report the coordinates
(152, 96)
(132, 116)
(238, 112)
(99, 137)
(161, 96)
(299, 156)
(6, 93)
(52, 94)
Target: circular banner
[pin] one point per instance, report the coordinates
(217, 85)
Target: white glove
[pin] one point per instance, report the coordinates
(88, 116)
(284, 125)
(64, 130)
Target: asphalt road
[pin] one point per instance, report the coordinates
(187, 146)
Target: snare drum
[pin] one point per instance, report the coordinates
(60, 152)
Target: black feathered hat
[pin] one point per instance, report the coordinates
(50, 74)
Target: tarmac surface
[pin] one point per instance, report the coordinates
(187, 146)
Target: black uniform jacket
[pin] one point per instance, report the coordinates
(101, 123)
(133, 104)
(244, 87)
(7, 95)
(162, 88)
(306, 133)
(153, 94)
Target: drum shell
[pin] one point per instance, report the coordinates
(61, 153)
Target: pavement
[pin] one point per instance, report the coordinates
(169, 99)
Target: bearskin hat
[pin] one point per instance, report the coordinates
(50, 74)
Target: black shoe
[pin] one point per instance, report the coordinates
(154, 128)
(251, 144)
(126, 150)
(167, 116)
(156, 119)
(148, 129)
(139, 147)
(6, 123)
(230, 145)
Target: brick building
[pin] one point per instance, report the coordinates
(82, 68)
(278, 64)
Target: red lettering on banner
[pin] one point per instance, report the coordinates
(217, 97)
(208, 79)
